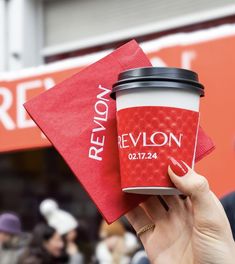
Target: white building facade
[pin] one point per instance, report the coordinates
(33, 31)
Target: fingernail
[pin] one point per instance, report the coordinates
(178, 167)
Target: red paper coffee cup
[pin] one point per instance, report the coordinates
(157, 117)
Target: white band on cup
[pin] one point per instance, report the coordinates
(158, 97)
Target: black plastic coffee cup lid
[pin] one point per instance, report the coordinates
(157, 77)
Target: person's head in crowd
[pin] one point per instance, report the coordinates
(46, 246)
(10, 227)
(64, 222)
(111, 234)
(116, 245)
(46, 238)
(111, 248)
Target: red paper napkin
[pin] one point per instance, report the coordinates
(79, 118)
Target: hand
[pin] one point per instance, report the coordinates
(72, 249)
(192, 231)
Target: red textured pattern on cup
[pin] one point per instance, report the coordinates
(147, 137)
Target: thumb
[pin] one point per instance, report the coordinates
(205, 205)
(188, 181)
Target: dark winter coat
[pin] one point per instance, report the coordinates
(40, 256)
(228, 203)
(11, 251)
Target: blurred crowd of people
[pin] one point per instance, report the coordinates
(54, 241)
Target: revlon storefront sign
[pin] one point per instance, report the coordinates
(209, 52)
(17, 130)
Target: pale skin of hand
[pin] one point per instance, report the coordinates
(193, 231)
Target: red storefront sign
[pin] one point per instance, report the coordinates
(17, 130)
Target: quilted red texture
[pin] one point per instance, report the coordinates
(148, 136)
(71, 118)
